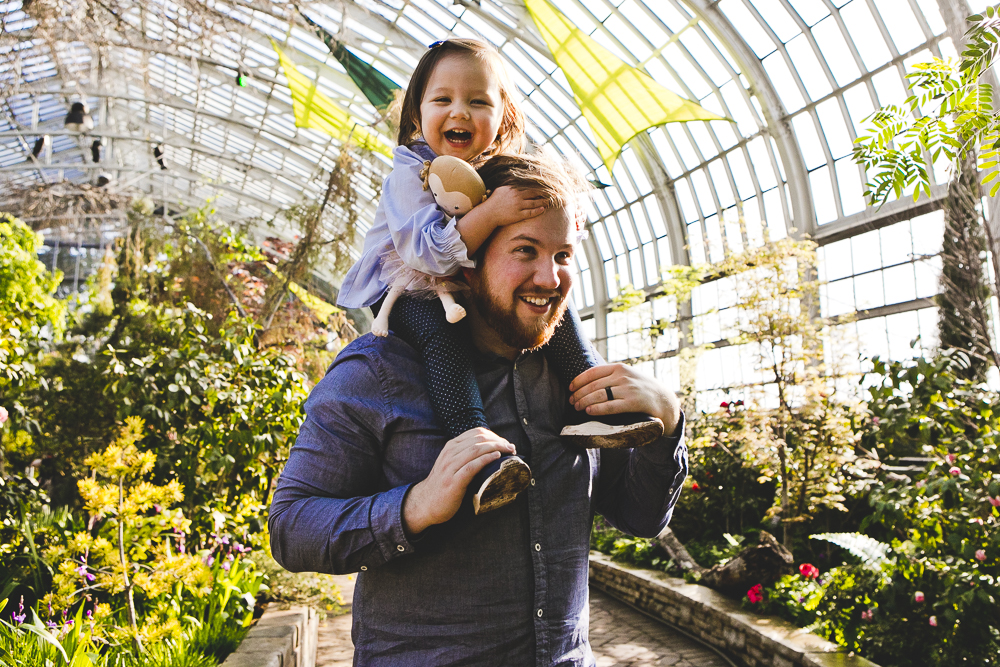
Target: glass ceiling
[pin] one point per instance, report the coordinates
(796, 76)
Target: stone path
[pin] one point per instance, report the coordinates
(619, 635)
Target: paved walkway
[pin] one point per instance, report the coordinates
(619, 635)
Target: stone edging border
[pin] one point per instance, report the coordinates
(746, 638)
(280, 638)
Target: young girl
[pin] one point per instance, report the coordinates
(459, 103)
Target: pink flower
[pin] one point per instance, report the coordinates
(981, 555)
(875, 421)
(808, 571)
(866, 615)
(920, 483)
(978, 520)
(933, 621)
(755, 594)
(950, 458)
(3, 414)
(994, 501)
(918, 597)
(955, 471)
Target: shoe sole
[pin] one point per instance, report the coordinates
(502, 486)
(595, 435)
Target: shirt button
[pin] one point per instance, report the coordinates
(400, 547)
(532, 481)
(538, 547)
(525, 420)
(364, 568)
(539, 613)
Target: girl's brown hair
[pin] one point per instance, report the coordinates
(510, 136)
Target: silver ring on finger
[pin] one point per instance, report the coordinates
(611, 396)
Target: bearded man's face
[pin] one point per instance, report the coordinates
(521, 289)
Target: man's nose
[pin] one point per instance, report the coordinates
(547, 274)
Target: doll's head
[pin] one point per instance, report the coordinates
(456, 186)
(472, 67)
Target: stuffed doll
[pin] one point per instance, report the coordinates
(457, 188)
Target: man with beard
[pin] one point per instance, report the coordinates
(369, 487)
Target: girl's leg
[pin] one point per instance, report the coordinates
(451, 380)
(570, 353)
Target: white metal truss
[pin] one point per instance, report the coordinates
(796, 77)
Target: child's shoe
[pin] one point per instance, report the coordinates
(499, 483)
(620, 431)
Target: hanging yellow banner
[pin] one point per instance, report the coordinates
(315, 110)
(617, 100)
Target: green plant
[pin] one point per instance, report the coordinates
(793, 597)
(726, 493)
(221, 414)
(949, 116)
(30, 317)
(926, 591)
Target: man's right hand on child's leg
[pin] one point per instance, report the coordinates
(437, 498)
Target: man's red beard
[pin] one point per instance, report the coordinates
(503, 319)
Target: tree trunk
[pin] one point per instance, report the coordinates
(761, 564)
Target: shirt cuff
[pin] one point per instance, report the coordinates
(662, 451)
(450, 241)
(386, 521)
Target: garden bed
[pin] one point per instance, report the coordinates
(749, 639)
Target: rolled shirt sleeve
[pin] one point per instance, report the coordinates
(638, 488)
(329, 513)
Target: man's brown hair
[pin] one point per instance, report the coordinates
(560, 185)
(510, 136)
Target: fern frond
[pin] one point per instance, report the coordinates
(871, 552)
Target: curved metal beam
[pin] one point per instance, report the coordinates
(775, 115)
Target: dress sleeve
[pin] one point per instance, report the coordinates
(328, 513)
(421, 234)
(638, 488)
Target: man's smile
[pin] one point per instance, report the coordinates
(538, 304)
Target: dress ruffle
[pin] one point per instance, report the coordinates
(395, 272)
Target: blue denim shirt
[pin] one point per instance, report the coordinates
(407, 219)
(505, 588)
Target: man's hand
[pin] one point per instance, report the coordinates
(633, 391)
(437, 498)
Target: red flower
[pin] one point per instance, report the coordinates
(808, 571)
(695, 487)
(755, 594)
(724, 404)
